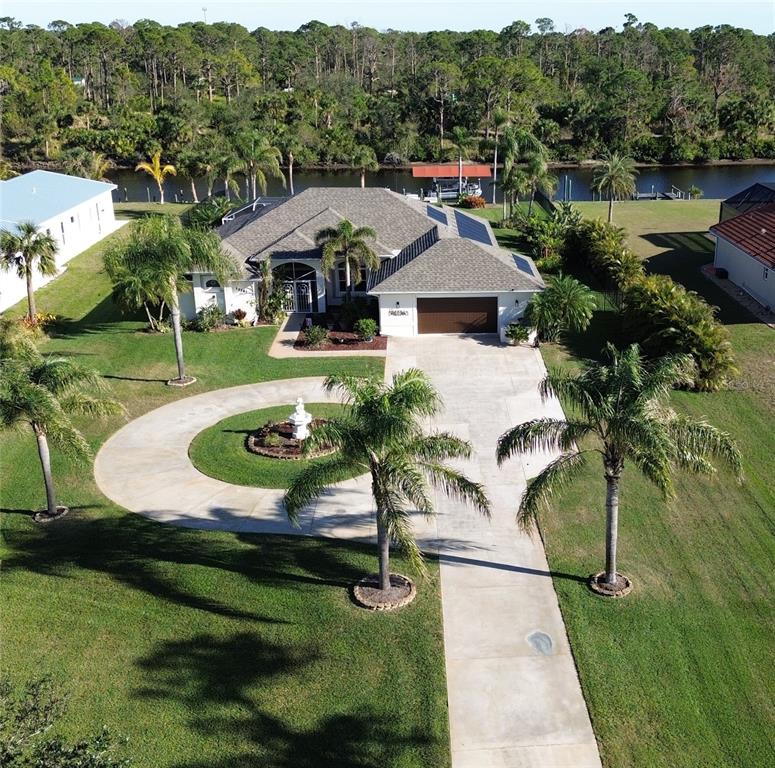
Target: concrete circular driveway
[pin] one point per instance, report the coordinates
(145, 468)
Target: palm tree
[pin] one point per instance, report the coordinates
(41, 393)
(228, 164)
(538, 176)
(381, 433)
(566, 304)
(89, 165)
(514, 183)
(348, 243)
(615, 178)
(193, 164)
(364, 159)
(260, 158)
(159, 172)
(290, 144)
(619, 405)
(461, 142)
(162, 252)
(499, 121)
(26, 251)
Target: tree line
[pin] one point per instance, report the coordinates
(325, 95)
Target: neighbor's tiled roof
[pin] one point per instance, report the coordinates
(456, 265)
(752, 232)
(756, 196)
(304, 214)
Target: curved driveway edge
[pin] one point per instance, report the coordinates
(145, 468)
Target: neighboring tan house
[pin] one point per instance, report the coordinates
(76, 212)
(745, 248)
(756, 196)
(441, 268)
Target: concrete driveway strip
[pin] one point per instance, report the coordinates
(514, 696)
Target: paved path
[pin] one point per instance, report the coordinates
(514, 696)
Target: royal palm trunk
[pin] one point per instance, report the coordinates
(176, 331)
(45, 463)
(611, 525)
(290, 172)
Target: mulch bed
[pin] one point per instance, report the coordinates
(288, 448)
(621, 588)
(339, 341)
(367, 593)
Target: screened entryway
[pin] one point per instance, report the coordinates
(299, 284)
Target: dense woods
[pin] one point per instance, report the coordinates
(204, 94)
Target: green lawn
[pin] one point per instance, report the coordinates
(679, 673)
(220, 451)
(204, 649)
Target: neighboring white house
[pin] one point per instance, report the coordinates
(745, 248)
(441, 269)
(76, 212)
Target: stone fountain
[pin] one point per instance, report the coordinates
(300, 421)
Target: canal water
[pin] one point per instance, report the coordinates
(718, 182)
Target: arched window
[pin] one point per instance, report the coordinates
(212, 284)
(293, 270)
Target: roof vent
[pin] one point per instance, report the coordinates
(763, 231)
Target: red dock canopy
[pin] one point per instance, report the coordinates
(450, 171)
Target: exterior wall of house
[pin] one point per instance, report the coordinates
(747, 272)
(74, 230)
(398, 311)
(240, 294)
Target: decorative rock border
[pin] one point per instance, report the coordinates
(622, 587)
(184, 382)
(367, 594)
(42, 515)
(281, 451)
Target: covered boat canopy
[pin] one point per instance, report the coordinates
(450, 171)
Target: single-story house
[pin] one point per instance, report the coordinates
(745, 248)
(76, 212)
(756, 196)
(441, 269)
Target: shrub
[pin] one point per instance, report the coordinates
(208, 318)
(43, 321)
(355, 310)
(208, 213)
(517, 333)
(272, 439)
(239, 314)
(366, 328)
(473, 201)
(566, 304)
(315, 336)
(273, 309)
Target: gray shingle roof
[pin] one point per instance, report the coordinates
(396, 224)
(456, 265)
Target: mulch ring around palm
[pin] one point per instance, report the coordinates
(43, 516)
(367, 593)
(621, 587)
(338, 341)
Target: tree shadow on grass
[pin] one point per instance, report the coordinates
(101, 318)
(220, 680)
(154, 558)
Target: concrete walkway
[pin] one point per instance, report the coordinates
(514, 695)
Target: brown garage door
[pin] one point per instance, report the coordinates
(459, 315)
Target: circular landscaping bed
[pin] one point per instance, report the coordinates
(275, 440)
(222, 452)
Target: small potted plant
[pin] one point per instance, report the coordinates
(366, 329)
(517, 334)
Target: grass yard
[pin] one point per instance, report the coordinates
(679, 674)
(220, 451)
(204, 649)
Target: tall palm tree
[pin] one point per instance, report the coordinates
(193, 164)
(615, 178)
(260, 159)
(566, 304)
(618, 411)
(514, 183)
(229, 163)
(161, 251)
(538, 176)
(26, 251)
(381, 434)
(462, 142)
(292, 147)
(40, 393)
(500, 120)
(348, 243)
(364, 159)
(157, 171)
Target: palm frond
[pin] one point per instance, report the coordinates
(541, 434)
(697, 441)
(457, 486)
(311, 482)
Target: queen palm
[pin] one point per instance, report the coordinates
(41, 393)
(618, 411)
(229, 163)
(162, 253)
(348, 243)
(381, 434)
(26, 251)
(615, 178)
(260, 159)
(157, 171)
(364, 159)
(538, 176)
(461, 143)
(500, 120)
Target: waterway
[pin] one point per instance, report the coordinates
(716, 181)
